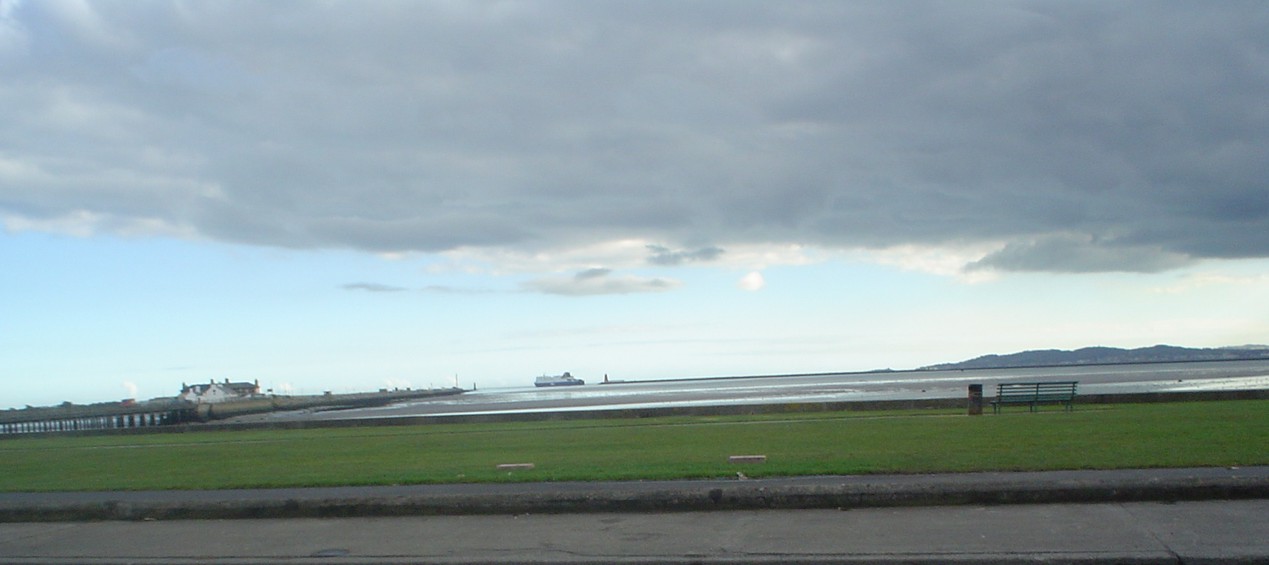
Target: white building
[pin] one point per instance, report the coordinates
(214, 392)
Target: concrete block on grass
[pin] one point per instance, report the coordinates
(515, 466)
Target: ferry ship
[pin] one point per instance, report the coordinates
(558, 380)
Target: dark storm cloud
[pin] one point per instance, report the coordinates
(1082, 136)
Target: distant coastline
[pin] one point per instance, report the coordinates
(1107, 356)
(1040, 358)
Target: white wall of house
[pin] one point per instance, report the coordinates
(211, 393)
(216, 393)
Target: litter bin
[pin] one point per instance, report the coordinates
(975, 400)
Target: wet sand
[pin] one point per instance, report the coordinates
(817, 388)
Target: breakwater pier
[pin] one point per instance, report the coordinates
(104, 416)
(168, 412)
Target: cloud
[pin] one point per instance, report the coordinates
(599, 281)
(445, 289)
(1224, 281)
(593, 273)
(951, 260)
(620, 254)
(1064, 254)
(373, 287)
(393, 384)
(189, 69)
(665, 256)
(532, 130)
(13, 35)
(753, 281)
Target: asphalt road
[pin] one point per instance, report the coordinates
(1183, 532)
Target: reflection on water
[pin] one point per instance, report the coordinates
(837, 387)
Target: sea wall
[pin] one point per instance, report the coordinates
(225, 410)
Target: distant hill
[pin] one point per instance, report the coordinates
(1108, 356)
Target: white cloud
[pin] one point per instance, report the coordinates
(397, 384)
(599, 281)
(763, 255)
(753, 281)
(81, 223)
(373, 287)
(621, 254)
(1205, 280)
(944, 260)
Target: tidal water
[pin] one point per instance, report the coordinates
(834, 387)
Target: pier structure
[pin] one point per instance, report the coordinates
(127, 415)
(95, 417)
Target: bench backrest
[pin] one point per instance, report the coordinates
(1056, 390)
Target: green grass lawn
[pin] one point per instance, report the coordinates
(1092, 437)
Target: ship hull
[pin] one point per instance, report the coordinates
(574, 383)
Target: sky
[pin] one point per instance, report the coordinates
(347, 196)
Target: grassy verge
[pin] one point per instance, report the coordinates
(1106, 436)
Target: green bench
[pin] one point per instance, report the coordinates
(1034, 394)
